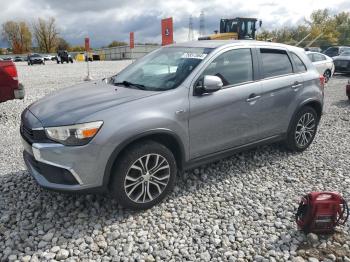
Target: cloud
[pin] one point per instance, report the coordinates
(109, 20)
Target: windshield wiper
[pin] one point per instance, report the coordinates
(127, 83)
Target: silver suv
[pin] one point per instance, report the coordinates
(178, 107)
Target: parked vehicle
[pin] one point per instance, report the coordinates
(348, 89)
(10, 88)
(323, 63)
(176, 108)
(36, 59)
(336, 50)
(342, 62)
(8, 59)
(313, 49)
(18, 59)
(63, 56)
(49, 57)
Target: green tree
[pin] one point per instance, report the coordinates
(342, 21)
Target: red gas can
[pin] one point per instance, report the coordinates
(321, 212)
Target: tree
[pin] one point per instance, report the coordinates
(46, 34)
(342, 21)
(18, 36)
(62, 44)
(117, 43)
(77, 48)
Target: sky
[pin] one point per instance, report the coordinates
(107, 20)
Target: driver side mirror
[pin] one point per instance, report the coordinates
(208, 84)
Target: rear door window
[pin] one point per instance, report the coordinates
(319, 57)
(299, 64)
(275, 62)
(311, 56)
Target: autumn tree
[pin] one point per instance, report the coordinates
(18, 35)
(77, 48)
(46, 34)
(117, 43)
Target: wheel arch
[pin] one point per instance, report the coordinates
(316, 105)
(163, 136)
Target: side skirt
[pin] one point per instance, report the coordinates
(229, 152)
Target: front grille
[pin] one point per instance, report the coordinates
(27, 131)
(33, 136)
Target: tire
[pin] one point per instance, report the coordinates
(303, 119)
(349, 97)
(28, 63)
(144, 194)
(327, 75)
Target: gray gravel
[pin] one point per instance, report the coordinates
(238, 209)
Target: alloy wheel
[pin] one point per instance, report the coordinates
(327, 76)
(147, 178)
(305, 130)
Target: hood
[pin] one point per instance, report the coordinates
(71, 104)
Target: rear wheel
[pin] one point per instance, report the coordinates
(143, 175)
(327, 75)
(302, 130)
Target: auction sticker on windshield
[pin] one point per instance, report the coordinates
(194, 55)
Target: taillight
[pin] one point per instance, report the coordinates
(322, 81)
(11, 71)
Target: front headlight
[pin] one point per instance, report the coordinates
(74, 135)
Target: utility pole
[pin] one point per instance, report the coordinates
(201, 24)
(190, 29)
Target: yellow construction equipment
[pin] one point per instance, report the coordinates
(235, 28)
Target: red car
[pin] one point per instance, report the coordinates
(348, 89)
(10, 88)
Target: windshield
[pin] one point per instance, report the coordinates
(163, 69)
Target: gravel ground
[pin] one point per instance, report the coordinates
(241, 208)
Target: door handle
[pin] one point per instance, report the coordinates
(296, 85)
(252, 98)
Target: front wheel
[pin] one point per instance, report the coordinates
(302, 130)
(144, 175)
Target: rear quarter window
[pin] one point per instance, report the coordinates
(299, 64)
(275, 62)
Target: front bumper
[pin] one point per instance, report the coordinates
(61, 168)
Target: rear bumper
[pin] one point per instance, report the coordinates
(20, 92)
